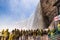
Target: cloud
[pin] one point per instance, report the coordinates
(18, 25)
(18, 10)
(22, 9)
(18, 6)
(28, 4)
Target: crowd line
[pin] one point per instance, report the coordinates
(36, 34)
(17, 34)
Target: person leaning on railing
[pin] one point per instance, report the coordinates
(38, 32)
(58, 26)
(12, 35)
(6, 34)
(34, 34)
(2, 35)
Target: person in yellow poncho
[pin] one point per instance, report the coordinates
(12, 36)
(52, 32)
(58, 26)
(2, 35)
(6, 35)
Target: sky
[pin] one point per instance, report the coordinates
(12, 11)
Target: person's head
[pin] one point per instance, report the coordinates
(59, 21)
(7, 30)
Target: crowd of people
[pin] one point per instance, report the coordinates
(17, 34)
(36, 34)
(22, 34)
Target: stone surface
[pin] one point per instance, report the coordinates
(49, 11)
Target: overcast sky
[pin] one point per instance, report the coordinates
(12, 11)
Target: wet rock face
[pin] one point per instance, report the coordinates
(49, 11)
